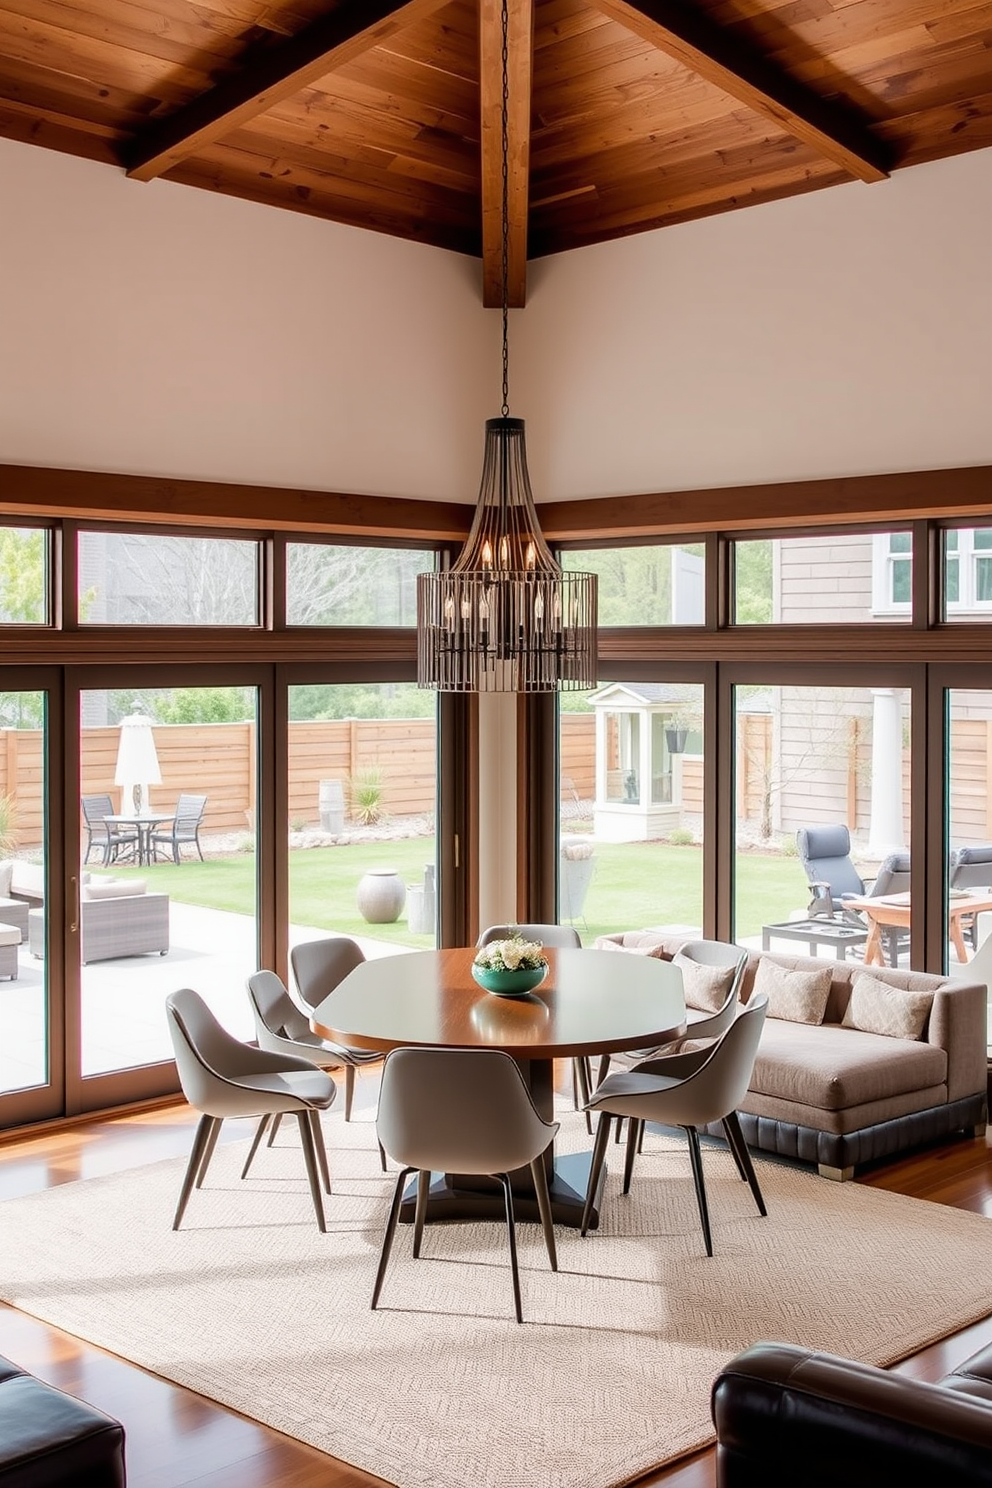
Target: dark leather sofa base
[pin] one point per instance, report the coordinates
(49, 1439)
(786, 1416)
(843, 1153)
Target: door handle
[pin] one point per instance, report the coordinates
(74, 925)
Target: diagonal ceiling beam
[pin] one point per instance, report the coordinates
(707, 49)
(353, 27)
(520, 48)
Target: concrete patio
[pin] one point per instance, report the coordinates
(123, 1000)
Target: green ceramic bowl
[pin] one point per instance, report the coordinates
(509, 983)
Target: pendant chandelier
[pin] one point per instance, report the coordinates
(505, 617)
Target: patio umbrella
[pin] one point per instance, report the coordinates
(137, 761)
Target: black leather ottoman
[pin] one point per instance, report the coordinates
(49, 1439)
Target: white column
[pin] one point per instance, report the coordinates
(497, 808)
(885, 832)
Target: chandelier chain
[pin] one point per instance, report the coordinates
(504, 152)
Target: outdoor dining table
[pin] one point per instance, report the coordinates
(145, 824)
(590, 1002)
(895, 911)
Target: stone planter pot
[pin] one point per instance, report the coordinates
(381, 896)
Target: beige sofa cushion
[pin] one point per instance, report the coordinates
(798, 996)
(6, 874)
(894, 1012)
(829, 1068)
(705, 987)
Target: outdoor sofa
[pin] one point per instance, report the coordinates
(22, 885)
(838, 1095)
(119, 918)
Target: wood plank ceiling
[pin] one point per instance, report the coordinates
(624, 115)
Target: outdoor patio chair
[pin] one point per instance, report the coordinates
(113, 841)
(971, 868)
(318, 967)
(690, 1090)
(185, 828)
(462, 1111)
(222, 1077)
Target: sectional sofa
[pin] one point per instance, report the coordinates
(834, 1089)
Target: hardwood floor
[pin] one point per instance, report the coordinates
(175, 1437)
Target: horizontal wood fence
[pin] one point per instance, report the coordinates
(219, 760)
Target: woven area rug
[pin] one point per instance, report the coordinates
(610, 1374)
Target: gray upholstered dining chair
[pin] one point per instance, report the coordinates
(563, 937)
(318, 967)
(222, 1077)
(281, 1028)
(718, 956)
(694, 1089)
(461, 1111)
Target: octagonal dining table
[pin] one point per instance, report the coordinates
(590, 1002)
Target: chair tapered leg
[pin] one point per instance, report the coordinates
(201, 1139)
(382, 1158)
(511, 1235)
(320, 1149)
(276, 1123)
(595, 1167)
(208, 1150)
(349, 1089)
(420, 1211)
(732, 1126)
(540, 1178)
(731, 1143)
(633, 1137)
(696, 1158)
(387, 1239)
(256, 1142)
(313, 1171)
(604, 1068)
(580, 1087)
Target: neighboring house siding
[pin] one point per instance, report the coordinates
(824, 581)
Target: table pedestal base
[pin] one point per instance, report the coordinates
(460, 1196)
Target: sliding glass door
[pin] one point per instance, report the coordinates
(31, 1038)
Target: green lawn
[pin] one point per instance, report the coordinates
(635, 884)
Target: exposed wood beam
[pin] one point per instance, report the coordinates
(778, 506)
(29, 490)
(722, 59)
(520, 49)
(353, 27)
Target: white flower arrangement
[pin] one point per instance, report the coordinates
(514, 954)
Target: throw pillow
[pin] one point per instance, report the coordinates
(793, 996)
(6, 874)
(878, 1007)
(706, 987)
(114, 888)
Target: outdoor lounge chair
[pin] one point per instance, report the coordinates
(825, 853)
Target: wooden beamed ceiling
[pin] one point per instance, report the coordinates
(622, 115)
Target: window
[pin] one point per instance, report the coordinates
(132, 578)
(892, 573)
(657, 585)
(337, 584)
(967, 569)
(24, 576)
